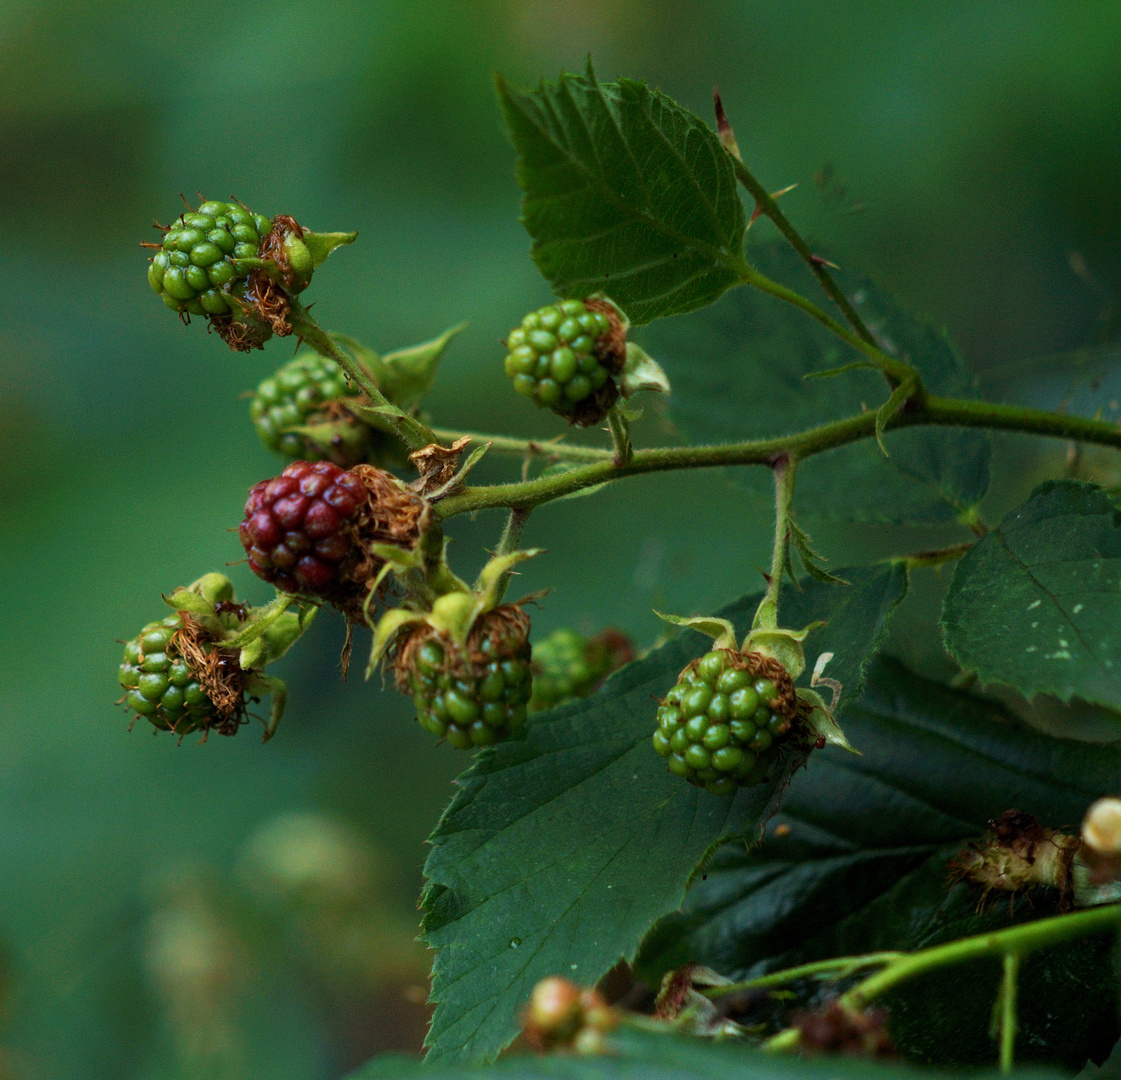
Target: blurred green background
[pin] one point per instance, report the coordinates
(237, 910)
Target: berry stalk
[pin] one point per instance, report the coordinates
(410, 430)
(766, 616)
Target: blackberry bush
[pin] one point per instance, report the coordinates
(572, 845)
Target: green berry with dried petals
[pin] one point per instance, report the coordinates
(471, 696)
(726, 720)
(195, 269)
(165, 682)
(565, 356)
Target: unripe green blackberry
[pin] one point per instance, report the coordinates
(194, 270)
(725, 721)
(564, 356)
(311, 391)
(164, 686)
(475, 696)
(567, 665)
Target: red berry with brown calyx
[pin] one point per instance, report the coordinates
(311, 530)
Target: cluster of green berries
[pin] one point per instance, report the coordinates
(567, 665)
(472, 703)
(161, 685)
(553, 357)
(300, 391)
(195, 269)
(719, 726)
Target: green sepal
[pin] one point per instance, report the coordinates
(299, 259)
(259, 685)
(217, 588)
(811, 560)
(785, 646)
(821, 723)
(279, 636)
(890, 408)
(453, 614)
(326, 439)
(320, 245)
(258, 622)
(642, 372)
(389, 625)
(722, 632)
(190, 602)
(492, 578)
(410, 373)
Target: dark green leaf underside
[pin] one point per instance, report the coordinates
(1036, 604)
(738, 372)
(560, 851)
(625, 192)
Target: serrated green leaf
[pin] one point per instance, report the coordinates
(645, 1055)
(738, 372)
(625, 192)
(561, 850)
(863, 866)
(1036, 603)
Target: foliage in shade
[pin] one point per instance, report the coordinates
(561, 851)
(739, 371)
(642, 1055)
(625, 192)
(1036, 604)
(863, 867)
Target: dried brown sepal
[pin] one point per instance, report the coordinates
(1018, 853)
(390, 514)
(592, 409)
(506, 625)
(218, 671)
(611, 346)
(837, 1030)
(242, 334)
(437, 465)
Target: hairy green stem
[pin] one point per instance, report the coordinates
(896, 370)
(412, 432)
(505, 444)
(1018, 939)
(838, 967)
(1007, 1003)
(508, 543)
(770, 208)
(931, 410)
(766, 615)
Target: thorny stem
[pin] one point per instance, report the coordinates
(770, 208)
(1007, 1005)
(411, 431)
(766, 616)
(931, 410)
(838, 967)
